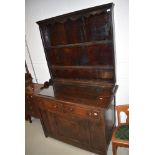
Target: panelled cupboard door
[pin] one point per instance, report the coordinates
(71, 128)
(97, 132)
(65, 127)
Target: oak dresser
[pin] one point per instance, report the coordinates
(77, 105)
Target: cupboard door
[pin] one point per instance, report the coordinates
(71, 128)
(97, 136)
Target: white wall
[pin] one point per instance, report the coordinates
(41, 9)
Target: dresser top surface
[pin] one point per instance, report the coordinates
(101, 102)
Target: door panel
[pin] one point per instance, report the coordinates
(97, 136)
(70, 128)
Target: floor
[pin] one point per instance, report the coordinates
(37, 144)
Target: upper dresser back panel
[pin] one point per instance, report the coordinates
(80, 45)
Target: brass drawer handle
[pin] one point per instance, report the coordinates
(101, 98)
(31, 96)
(55, 106)
(95, 114)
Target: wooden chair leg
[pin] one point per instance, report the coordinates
(114, 149)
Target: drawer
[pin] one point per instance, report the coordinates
(81, 112)
(68, 109)
(50, 105)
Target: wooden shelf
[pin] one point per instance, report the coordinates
(83, 67)
(82, 44)
(99, 83)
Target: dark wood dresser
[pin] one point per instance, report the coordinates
(79, 49)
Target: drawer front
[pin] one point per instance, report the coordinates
(50, 105)
(73, 129)
(69, 109)
(81, 111)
